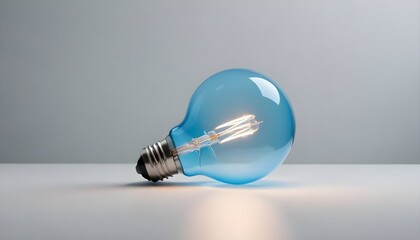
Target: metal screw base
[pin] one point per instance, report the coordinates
(157, 162)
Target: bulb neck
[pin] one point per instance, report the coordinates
(157, 161)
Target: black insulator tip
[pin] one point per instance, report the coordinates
(141, 168)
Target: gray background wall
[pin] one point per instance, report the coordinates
(95, 81)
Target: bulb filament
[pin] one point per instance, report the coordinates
(237, 128)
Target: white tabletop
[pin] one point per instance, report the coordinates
(110, 201)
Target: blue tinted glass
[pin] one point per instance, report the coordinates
(225, 96)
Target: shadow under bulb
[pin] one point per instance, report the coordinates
(239, 126)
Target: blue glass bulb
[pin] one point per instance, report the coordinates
(255, 134)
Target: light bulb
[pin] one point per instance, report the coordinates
(239, 126)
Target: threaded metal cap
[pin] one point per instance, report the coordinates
(157, 161)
